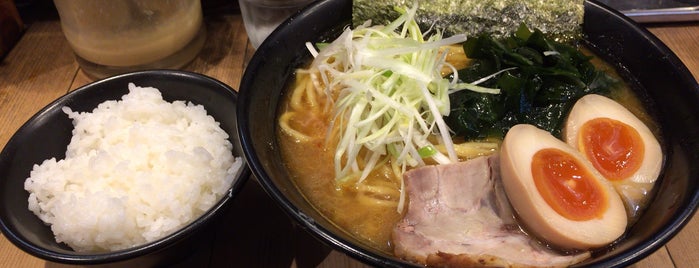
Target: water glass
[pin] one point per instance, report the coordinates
(261, 17)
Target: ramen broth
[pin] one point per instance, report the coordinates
(310, 165)
(369, 210)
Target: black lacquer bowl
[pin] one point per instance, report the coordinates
(661, 79)
(47, 135)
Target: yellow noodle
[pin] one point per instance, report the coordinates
(456, 57)
(300, 87)
(367, 200)
(311, 97)
(470, 150)
(287, 129)
(378, 190)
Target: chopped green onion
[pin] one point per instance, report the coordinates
(426, 151)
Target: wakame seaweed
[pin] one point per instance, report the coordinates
(546, 80)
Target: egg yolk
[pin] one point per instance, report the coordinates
(614, 148)
(567, 185)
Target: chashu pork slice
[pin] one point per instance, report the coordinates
(458, 215)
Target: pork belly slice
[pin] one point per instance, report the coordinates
(459, 215)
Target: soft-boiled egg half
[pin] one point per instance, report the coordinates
(618, 144)
(557, 194)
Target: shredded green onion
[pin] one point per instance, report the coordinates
(391, 96)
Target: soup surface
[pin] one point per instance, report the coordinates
(368, 210)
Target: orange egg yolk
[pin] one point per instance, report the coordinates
(614, 148)
(567, 186)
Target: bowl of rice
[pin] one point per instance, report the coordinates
(130, 170)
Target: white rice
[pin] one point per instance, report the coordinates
(135, 171)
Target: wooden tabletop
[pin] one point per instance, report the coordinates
(41, 68)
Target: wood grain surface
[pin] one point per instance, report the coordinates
(41, 68)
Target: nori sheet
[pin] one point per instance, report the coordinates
(558, 19)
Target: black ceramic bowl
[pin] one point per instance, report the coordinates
(48, 133)
(665, 83)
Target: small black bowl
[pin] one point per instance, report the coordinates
(660, 77)
(47, 135)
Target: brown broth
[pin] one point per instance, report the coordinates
(310, 165)
(314, 175)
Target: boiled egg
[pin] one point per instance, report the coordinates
(617, 143)
(557, 194)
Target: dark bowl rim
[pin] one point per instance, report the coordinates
(681, 219)
(628, 257)
(148, 248)
(307, 222)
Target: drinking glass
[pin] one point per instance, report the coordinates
(261, 17)
(117, 36)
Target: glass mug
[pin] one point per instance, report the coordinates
(110, 37)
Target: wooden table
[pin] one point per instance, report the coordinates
(41, 68)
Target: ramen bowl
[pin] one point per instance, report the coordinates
(47, 134)
(660, 78)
